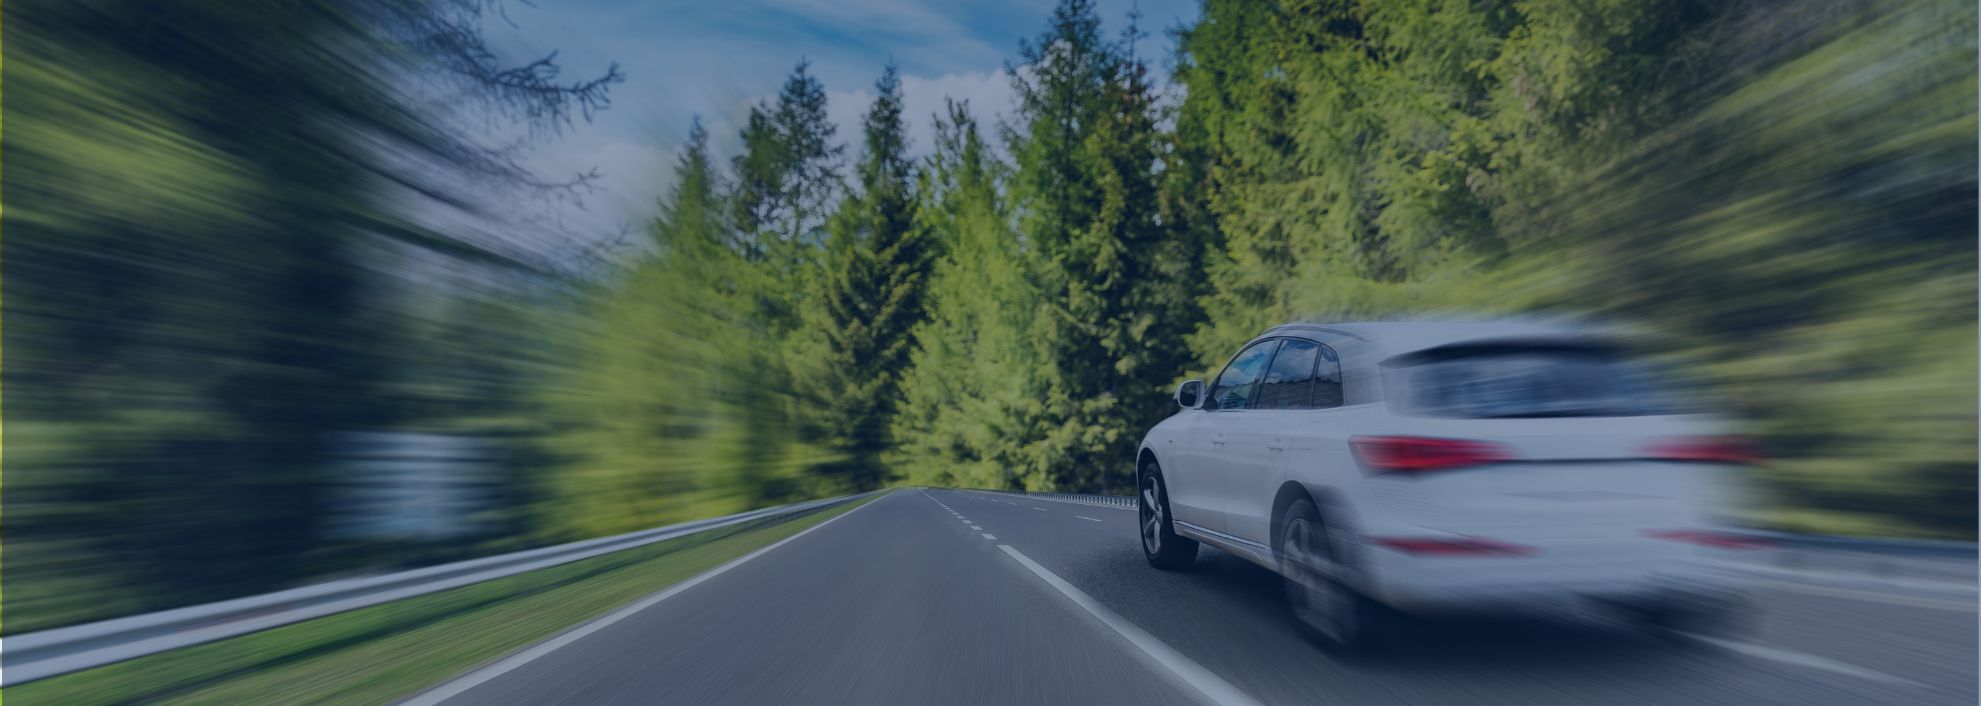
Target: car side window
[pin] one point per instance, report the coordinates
(1327, 379)
(1236, 386)
(1289, 382)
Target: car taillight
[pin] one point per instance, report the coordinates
(1705, 449)
(1454, 546)
(1417, 454)
(1716, 540)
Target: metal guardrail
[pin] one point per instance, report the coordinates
(47, 653)
(1121, 501)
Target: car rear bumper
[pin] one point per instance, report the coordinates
(1560, 578)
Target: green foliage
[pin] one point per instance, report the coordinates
(647, 425)
(1084, 191)
(1723, 172)
(787, 180)
(206, 214)
(213, 272)
(973, 384)
(1811, 229)
(689, 396)
(1716, 171)
(854, 341)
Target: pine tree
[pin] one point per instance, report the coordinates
(1086, 194)
(855, 340)
(757, 201)
(812, 178)
(692, 216)
(655, 399)
(972, 389)
(787, 177)
(1344, 145)
(1233, 151)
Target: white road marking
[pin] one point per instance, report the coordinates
(1803, 660)
(1084, 517)
(1181, 669)
(974, 527)
(503, 666)
(988, 535)
(1040, 509)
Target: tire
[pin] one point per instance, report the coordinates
(1160, 544)
(1326, 609)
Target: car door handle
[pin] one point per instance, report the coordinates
(1217, 440)
(1276, 445)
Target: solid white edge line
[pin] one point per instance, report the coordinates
(1803, 660)
(1186, 672)
(462, 684)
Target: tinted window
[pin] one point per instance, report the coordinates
(1290, 380)
(1327, 379)
(1236, 385)
(1523, 381)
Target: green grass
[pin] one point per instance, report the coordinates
(379, 654)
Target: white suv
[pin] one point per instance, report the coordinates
(1432, 467)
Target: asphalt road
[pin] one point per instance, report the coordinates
(956, 597)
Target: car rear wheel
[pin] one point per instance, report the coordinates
(1311, 565)
(1686, 619)
(1160, 544)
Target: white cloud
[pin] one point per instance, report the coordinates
(989, 94)
(922, 21)
(713, 59)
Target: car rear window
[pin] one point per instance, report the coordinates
(1523, 380)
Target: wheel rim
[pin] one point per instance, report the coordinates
(1318, 600)
(1152, 514)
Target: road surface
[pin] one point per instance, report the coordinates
(959, 597)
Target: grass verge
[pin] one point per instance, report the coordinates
(379, 654)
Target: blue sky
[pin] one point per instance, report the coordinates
(713, 58)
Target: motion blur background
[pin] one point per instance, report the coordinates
(299, 290)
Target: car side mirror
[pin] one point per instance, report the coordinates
(1190, 394)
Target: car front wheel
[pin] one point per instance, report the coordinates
(1160, 544)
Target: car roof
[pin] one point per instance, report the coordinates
(1406, 336)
